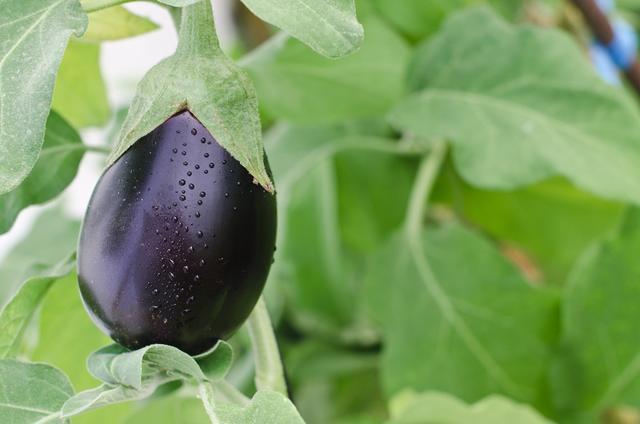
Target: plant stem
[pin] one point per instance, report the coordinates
(269, 372)
(206, 395)
(425, 179)
(93, 5)
(197, 33)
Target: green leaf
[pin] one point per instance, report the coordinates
(515, 122)
(321, 172)
(460, 318)
(56, 167)
(116, 23)
(200, 78)
(80, 95)
(266, 407)
(441, 408)
(599, 318)
(34, 34)
(17, 314)
(296, 84)
(63, 308)
(51, 228)
(135, 375)
(31, 393)
(329, 27)
(534, 219)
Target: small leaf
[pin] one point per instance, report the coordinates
(515, 121)
(441, 408)
(34, 34)
(116, 23)
(266, 407)
(31, 393)
(296, 84)
(453, 303)
(80, 95)
(330, 27)
(17, 314)
(56, 167)
(132, 375)
(200, 78)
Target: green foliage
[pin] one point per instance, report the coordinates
(443, 334)
(56, 167)
(31, 393)
(516, 121)
(26, 79)
(329, 27)
(295, 84)
(116, 23)
(80, 95)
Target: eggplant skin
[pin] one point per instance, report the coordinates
(177, 241)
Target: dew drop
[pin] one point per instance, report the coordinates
(184, 144)
(200, 201)
(171, 276)
(194, 131)
(183, 197)
(203, 140)
(191, 186)
(200, 234)
(155, 291)
(185, 163)
(202, 262)
(197, 166)
(172, 263)
(196, 278)
(206, 171)
(226, 195)
(202, 194)
(189, 173)
(224, 162)
(185, 269)
(190, 249)
(175, 219)
(211, 165)
(175, 150)
(190, 300)
(182, 182)
(164, 321)
(197, 215)
(206, 155)
(184, 153)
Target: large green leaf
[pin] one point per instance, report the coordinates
(441, 408)
(514, 120)
(600, 324)
(116, 23)
(17, 314)
(330, 220)
(80, 95)
(329, 27)
(200, 78)
(296, 84)
(56, 167)
(31, 393)
(457, 317)
(34, 34)
(534, 220)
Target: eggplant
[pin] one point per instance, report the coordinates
(177, 241)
